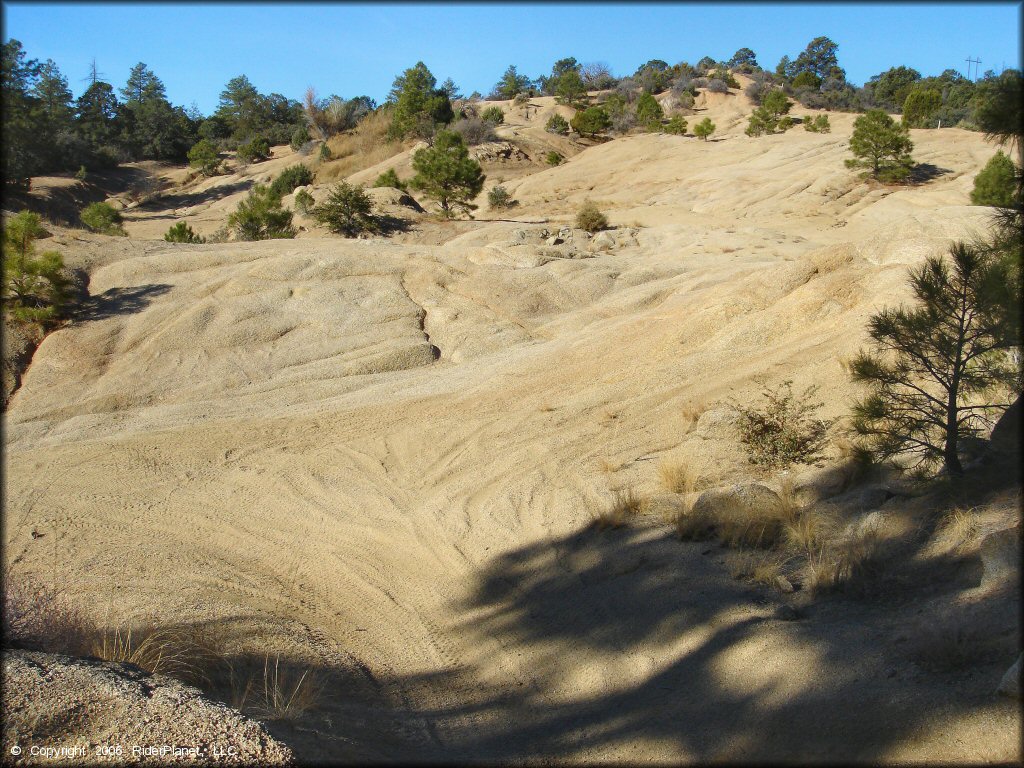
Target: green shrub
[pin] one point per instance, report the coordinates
(881, 145)
(781, 432)
(81, 174)
(304, 202)
(493, 114)
(553, 158)
(33, 286)
(300, 137)
(996, 183)
(102, 218)
(347, 211)
(203, 156)
(253, 151)
(390, 179)
(785, 123)
(290, 178)
(261, 217)
(649, 112)
(325, 153)
(557, 124)
(182, 233)
(591, 219)
(806, 79)
(704, 128)
(499, 197)
(590, 122)
(676, 125)
(819, 124)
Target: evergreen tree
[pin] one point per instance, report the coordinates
(96, 114)
(419, 106)
(590, 121)
(511, 84)
(882, 145)
(935, 366)
(21, 114)
(704, 128)
(919, 106)
(996, 183)
(347, 210)
(448, 174)
(261, 217)
(649, 112)
(33, 286)
(570, 89)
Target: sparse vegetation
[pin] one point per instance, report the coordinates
(347, 210)
(678, 476)
(676, 125)
(475, 130)
(182, 233)
(781, 431)
(553, 158)
(304, 202)
(590, 218)
(819, 124)
(626, 504)
(102, 218)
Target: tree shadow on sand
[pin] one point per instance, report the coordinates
(119, 301)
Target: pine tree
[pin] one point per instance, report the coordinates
(448, 174)
(935, 366)
(33, 286)
(704, 128)
(882, 145)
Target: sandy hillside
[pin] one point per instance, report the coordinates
(378, 457)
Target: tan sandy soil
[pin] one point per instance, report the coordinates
(380, 456)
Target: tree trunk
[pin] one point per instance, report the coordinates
(950, 456)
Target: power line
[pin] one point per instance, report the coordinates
(976, 62)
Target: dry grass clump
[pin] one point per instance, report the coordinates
(282, 692)
(764, 568)
(856, 462)
(45, 618)
(626, 504)
(960, 527)
(843, 565)
(694, 526)
(358, 149)
(678, 476)
(739, 529)
(691, 412)
(807, 530)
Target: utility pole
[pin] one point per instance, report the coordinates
(976, 62)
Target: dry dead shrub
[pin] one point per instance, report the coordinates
(626, 504)
(43, 617)
(360, 148)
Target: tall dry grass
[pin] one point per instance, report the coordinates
(356, 150)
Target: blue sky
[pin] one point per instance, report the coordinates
(353, 49)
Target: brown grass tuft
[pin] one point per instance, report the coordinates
(626, 504)
(691, 413)
(282, 692)
(678, 476)
(959, 527)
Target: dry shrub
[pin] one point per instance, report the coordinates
(678, 476)
(360, 148)
(626, 504)
(782, 431)
(691, 413)
(43, 617)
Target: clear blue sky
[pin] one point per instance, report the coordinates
(351, 49)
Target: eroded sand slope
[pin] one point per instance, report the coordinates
(377, 457)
